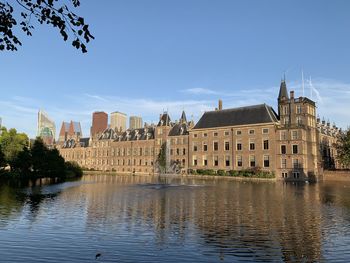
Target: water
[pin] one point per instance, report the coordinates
(147, 219)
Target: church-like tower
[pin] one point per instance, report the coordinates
(297, 136)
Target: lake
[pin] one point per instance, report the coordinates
(152, 219)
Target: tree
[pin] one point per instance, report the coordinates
(2, 160)
(39, 154)
(23, 162)
(162, 157)
(343, 148)
(12, 143)
(50, 12)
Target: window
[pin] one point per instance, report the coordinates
(215, 134)
(239, 161)
(184, 151)
(195, 135)
(227, 160)
(227, 133)
(251, 131)
(205, 147)
(283, 149)
(266, 144)
(295, 149)
(296, 175)
(252, 161)
(284, 174)
(285, 121)
(252, 146)
(296, 163)
(171, 151)
(265, 131)
(205, 134)
(283, 135)
(194, 160)
(299, 121)
(285, 110)
(177, 151)
(216, 161)
(266, 161)
(216, 146)
(227, 146)
(298, 109)
(205, 161)
(195, 148)
(238, 132)
(239, 146)
(294, 135)
(284, 163)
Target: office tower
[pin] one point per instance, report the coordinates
(118, 121)
(99, 122)
(135, 122)
(46, 128)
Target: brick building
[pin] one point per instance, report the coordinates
(292, 143)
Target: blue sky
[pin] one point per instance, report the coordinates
(182, 54)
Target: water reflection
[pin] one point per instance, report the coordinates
(133, 218)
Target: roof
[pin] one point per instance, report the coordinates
(183, 118)
(179, 129)
(84, 142)
(146, 133)
(164, 120)
(283, 91)
(76, 127)
(66, 126)
(237, 116)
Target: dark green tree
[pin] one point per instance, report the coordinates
(12, 143)
(39, 154)
(56, 13)
(56, 167)
(161, 159)
(23, 163)
(343, 148)
(2, 160)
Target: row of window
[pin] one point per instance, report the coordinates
(296, 163)
(239, 161)
(284, 135)
(227, 133)
(295, 149)
(239, 146)
(178, 151)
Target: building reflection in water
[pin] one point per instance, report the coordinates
(229, 218)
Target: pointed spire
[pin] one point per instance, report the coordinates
(283, 90)
(183, 118)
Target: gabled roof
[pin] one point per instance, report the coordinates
(179, 129)
(237, 116)
(108, 134)
(183, 118)
(146, 133)
(76, 127)
(164, 120)
(283, 91)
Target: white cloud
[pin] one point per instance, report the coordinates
(332, 98)
(201, 91)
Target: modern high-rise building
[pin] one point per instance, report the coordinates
(99, 122)
(118, 121)
(135, 122)
(46, 128)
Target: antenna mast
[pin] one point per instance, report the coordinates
(302, 79)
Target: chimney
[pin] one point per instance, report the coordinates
(292, 94)
(220, 104)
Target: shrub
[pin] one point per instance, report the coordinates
(221, 172)
(73, 170)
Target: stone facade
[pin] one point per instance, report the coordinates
(293, 144)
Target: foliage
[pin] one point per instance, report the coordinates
(2, 159)
(161, 159)
(12, 143)
(50, 12)
(23, 162)
(255, 172)
(343, 148)
(73, 170)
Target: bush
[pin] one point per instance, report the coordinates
(73, 170)
(221, 172)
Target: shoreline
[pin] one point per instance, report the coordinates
(205, 177)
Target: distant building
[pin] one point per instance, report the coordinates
(46, 128)
(99, 122)
(69, 130)
(118, 121)
(135, 122)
